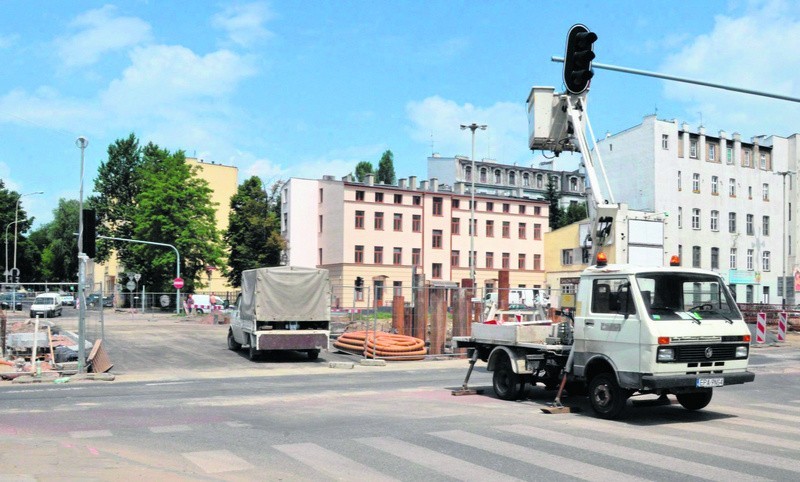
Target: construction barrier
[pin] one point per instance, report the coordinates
(782, 326)
(761, 327)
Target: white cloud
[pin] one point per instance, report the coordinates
(46, 108)
(754, 52)
(244, 24)
(438, 119)
(99, 32)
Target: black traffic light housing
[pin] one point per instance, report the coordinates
(359, 283)
(578, 59)
(89, 233)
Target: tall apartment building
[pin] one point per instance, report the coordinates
(382, 233)
(730, 205)
(497, 179)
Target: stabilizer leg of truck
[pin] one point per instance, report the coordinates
(556, 407)
(465, 390)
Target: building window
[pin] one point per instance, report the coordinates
(416, 223)
(467, 173)
(526, 179)
(732, 258)
(378, 197)
(680, 217)
(732, 187)
(765, 261)
(506, 261)
(749, 260)
(539, 181)
(521, 261)
(747, 157)
(455, 226)
(483, 174)
(729, 155)
(693, 148)
(695, 218)
(665, 141)
(359, 219)
(398, 199)
(695, 256)
(498, 177)
(378, 255)
(522, 231)
(522, 209)
(397, 256)
(712, 152)
(473, 258)
(566, 257)
(437, 206)
(398, 288)
(696, 182)
(506, 229)
(714, 258)
(763, 160)
(320, 198)
(379, 221)
(473, 227)
(537, 262)
(749, 192)
(320, 223)
(679, 181)
(436, 268)
(489, 259)
(455, 256)
(715, 220)
(732, 223)
(489, 229)
(506, 208)
(573, 184)
(537, 231)
(584, 256)
(398, 222)
(714, 185)
(416, 257)
(765, 225)
(765, 192)
(359, 195)
(489, 206)
(417, 200)
(537, 211)
(436, 239)
(455, 203)
(358, 257)
(512, 178)
(749, 225)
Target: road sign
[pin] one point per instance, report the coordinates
(130, 285)
(137, 277)
(782, 326)
(177, 283)
(761, 327)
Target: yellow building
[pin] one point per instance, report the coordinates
(565, 260)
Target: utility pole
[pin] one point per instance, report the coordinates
(82, 143)
(473, 127)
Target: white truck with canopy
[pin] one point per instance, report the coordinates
(282, 308)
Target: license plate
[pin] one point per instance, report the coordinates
(710, 382)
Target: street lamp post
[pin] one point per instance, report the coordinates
(7, 272)
(473, 127)
(783, 174)
(81, 142)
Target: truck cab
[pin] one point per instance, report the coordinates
(656, 330)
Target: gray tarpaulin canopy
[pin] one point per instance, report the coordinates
(286, 293)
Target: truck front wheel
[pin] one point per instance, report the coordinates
(232, 345)
(607, 398)
(506, 383)
(695, 400)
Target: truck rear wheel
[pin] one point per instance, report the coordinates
(253, 353)
(607, 398)
(506, 383)
(312, 354)
(695, 400)
(232, 345)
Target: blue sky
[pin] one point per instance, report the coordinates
(306, 88)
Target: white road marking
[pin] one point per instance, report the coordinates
(327, 462)
(217, 461)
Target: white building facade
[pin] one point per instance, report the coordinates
(730, 205)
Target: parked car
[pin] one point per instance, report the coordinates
(67, 299)
(93, 300)
(9, 299)
(46, 305)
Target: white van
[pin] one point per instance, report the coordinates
(46, 305)
(207, 303)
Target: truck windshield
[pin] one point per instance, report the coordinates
(671, 296)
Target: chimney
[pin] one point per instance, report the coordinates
(458, 188)
(401, 183)
(434, 184)
(348, 178)
(369, 179)
(423, 185)
(412, 182)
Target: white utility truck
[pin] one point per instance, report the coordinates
(282, 308)
(634, 329)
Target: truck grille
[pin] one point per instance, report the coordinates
(699, 353)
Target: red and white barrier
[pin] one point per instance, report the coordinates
(782, 326)
(207, 307)
(761, 327)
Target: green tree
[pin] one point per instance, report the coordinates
(117, 185)
(60, 253)
(173, 207)
(253, 236)
(27, 252)
(362, 169)
(386, 173)
(552, 196)
(574, 213)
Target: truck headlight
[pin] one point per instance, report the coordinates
(741, 351)
(665, 354)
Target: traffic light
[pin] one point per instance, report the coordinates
(89, 233)
(578, 59)
(359, 283)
